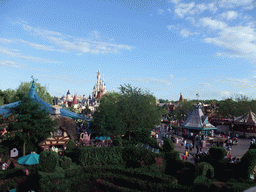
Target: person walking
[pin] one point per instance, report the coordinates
(187, 145)
(193, 142)
(191, 134)
(186, 154)
(185, 142)
(156, 136)
(197, 148)
(190, 147)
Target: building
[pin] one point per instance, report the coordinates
(66, 129)
(245, 123)
(197, 121)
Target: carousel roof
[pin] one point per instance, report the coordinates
(33, 95)
(249, 119)
(197, 120)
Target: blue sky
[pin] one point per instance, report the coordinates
(164, 46)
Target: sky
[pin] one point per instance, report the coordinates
(167, 47)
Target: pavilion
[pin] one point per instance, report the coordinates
(48, 107)
(246, 122)
(197, 121)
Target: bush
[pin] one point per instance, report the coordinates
(204, 169)
(185, 176)
(48, 161)
(248, 162)
(201, 184)
(253, 146)
(117, 141)
(217, 153)
(71, 144)
(168, 145)
(218, 186)
(11, 184)
(65, 162)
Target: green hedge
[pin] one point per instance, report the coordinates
(205, 170)
(71, 144)
(168, 145)
(108, 186)
(117, 141)
(48, 161)
(217, 153)
(9, 173)
(248, 162)
(252, 146)
(99, 155)
(65, 162)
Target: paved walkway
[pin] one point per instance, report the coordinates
(237, 150)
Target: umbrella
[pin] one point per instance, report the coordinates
(29, 159)
(101, 138)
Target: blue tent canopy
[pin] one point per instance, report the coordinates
(102, 138)
(29, 159)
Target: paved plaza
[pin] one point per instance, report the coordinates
(237, 150)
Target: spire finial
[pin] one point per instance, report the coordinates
(197, 95)
(33, 81)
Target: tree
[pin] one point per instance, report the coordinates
(163, 101)
(35, 122)
(129, 110)
(42, 91)
(107, 119)
(180, 113)
(138, 109)
(86, 111)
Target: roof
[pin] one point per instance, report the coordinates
(33, 95)
(249, 119)
(197, 120)
(68, 125)
(75, 100)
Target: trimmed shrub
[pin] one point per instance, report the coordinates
(253, 146)
(117, 141)
(204, 169)
(168, 145)
(48, 161)
(71, 144)
(217, 153)
(201, 184)
(248, 162)
(65, 162)
(218, 186)
(185, 176)
(11, 184)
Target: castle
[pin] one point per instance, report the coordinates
(81, 102)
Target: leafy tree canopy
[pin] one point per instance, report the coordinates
(34, 121)
(128, 110)
(10, 95)
(163, 101)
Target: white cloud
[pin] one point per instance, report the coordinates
(172, 76)
(212, 7)
(11, 64)
(7, 41)
(239, 42)
(169, 10)
(175, 1)
(182, 9)
(38, 46)
(234, 3)
(212, 23)
(185, 33)
(160, 11)
(192, 20)
(225, 93)
(171, 27)
(18, 65)
(229, 15)
(13, 53)
(92, 44)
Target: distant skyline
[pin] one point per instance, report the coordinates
(165, 46)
